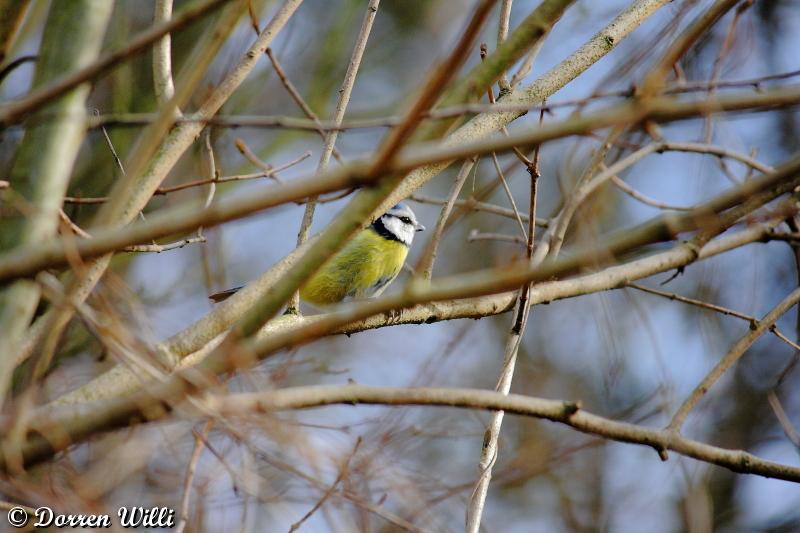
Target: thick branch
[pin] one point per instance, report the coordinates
(72, 38)
(13, 112)
(225, 358)
(27, 261)
(338, 116)
(121, 381)
(155, 155)
(162, 56)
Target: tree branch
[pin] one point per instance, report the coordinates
(26, 261)
(13, 112)
(120, 381)
(565, 412)
(72, 38)
(730, 358)
(330, 138)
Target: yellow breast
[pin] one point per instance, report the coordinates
(363, 268)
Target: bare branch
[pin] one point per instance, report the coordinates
(564, 412)
(118, 381)
(330, 138)
(25, 261)
(13, 112)
(730, 358)
(199, 441)
(298, 98)
(269, 172)
(154, 156)
(43, 164)
(428, 258)
(713, 307)
(502, 35)
(636, 195)
(162, 57)
(476, 235)
(474, 205)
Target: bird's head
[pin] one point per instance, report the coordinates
(400, 223)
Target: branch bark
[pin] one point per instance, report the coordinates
(730, 358)
(155, 401)
(162, 56)
(71, 39)
(28, 260)
(569, 413)
(15, 111)
(153, 158)
(338, 116)
(120, 380)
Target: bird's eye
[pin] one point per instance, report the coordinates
(405, 220)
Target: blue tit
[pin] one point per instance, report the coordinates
(366, 265)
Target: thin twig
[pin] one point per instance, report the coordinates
(330, 138)
(77, 230)
(158, 248)
(213, 174)
(476, 235)
(788, 428)
(713, 307)
(719, 151)
(522, 310)
(509, 195)
(733, 355)
(428, 258)
(502, 35)
(139, 248)
(14, 65)
(113, 151)
(191, 468)
(299, 100)
(343, 470)
(272, 173)
(569, 413)
(729, 84)
(633, 193)
(474, 205)
(251, 156)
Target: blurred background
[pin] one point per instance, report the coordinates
(624, 354)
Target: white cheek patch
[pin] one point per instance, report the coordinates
(404, 232)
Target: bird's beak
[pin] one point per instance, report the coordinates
(419, 227)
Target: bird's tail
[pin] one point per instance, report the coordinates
(223, 295)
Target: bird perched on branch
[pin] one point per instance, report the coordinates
(365, 266)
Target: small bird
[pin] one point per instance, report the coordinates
(366, 265)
